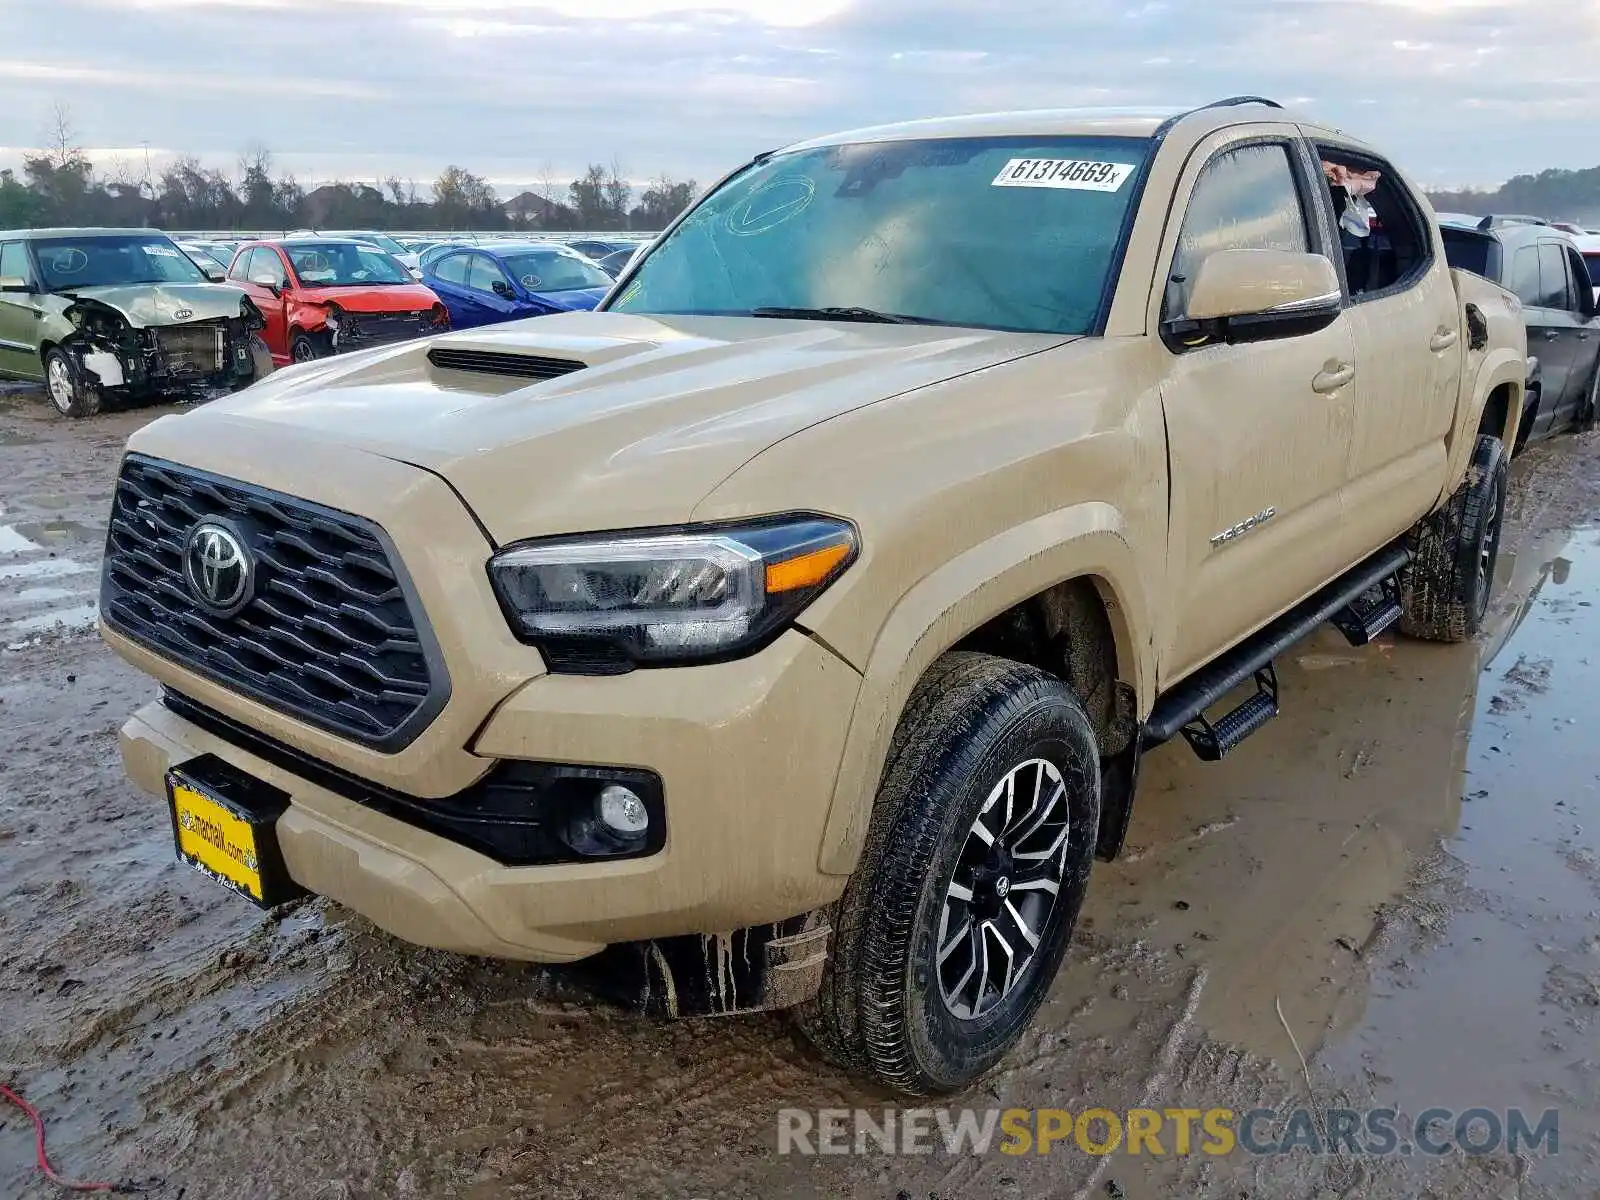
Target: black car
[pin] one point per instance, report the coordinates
(1542, 265)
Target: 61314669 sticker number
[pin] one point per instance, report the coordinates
(1074, 174)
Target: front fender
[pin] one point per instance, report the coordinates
(1083, 541)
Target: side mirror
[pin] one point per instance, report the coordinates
(503, 289)
(268, 282)
(215, 275)
(1263, 286)
(14, 283)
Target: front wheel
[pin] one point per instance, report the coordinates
(72, 394)
(976, 863)
(261, 364)
(1444, 593)
(307, 348)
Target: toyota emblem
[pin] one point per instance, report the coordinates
(218, 568)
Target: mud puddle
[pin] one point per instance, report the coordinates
(168, 1029)
(1498, 1005)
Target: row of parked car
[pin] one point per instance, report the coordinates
(132, 313)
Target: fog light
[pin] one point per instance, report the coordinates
(622, 812)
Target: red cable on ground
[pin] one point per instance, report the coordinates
(70, 1185)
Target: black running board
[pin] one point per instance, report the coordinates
(1184, 704)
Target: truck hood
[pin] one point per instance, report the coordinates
(660, 412)
(152, 304)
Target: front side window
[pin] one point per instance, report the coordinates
(1553, 289)
(1017, 232)
(1594, 268)
(14, 262)
(484, 273)
(1245, 199)
(111, 260)
(345, 264)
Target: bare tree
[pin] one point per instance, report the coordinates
(61, 138)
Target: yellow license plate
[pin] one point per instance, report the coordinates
(217, 841)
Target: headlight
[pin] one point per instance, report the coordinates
(608, 603)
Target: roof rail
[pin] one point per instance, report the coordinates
(1235, 101)
(1496, 219)
(1230, 102)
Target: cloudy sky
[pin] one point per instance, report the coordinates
(1460, 91)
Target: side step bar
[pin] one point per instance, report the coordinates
(1184, 704)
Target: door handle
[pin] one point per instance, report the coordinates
(1333, 376)
(1551, 335)
(1444, 339)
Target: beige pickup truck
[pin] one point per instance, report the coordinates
(788, 632)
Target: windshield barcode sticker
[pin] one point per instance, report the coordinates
(1075, 174)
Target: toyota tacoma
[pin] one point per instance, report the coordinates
(788, 632)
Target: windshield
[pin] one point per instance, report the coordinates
(75, 262)
(953, 231)
(380, 240)
(553, 271)
(344, 265)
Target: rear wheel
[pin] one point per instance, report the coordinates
(71, 393)
(1444, 593)
(1586, 412)
(976, 863)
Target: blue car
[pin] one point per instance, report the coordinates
(507, 281)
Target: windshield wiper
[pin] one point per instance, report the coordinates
(848, 313)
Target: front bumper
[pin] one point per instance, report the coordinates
(747, 752)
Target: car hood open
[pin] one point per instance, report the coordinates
(650, 415)
(146, 305)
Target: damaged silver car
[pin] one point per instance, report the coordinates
(121, 315)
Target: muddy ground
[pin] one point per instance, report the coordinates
(1405, 865)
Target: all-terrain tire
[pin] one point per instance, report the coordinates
(1444, 593)
(69, 391)
(972, 722)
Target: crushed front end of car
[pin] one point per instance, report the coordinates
(187, 358)
(349, 330)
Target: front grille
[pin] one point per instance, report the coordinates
(333, 634)
(486, 362)
(376, 329)
(193, 349)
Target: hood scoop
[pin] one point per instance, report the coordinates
(488, 362)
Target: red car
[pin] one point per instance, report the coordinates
(326, 295)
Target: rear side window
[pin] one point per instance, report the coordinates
(14, 261)
(452, 269)
(1524, 280)
(1553, 289)
(1245, 199)
(1467, 251)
